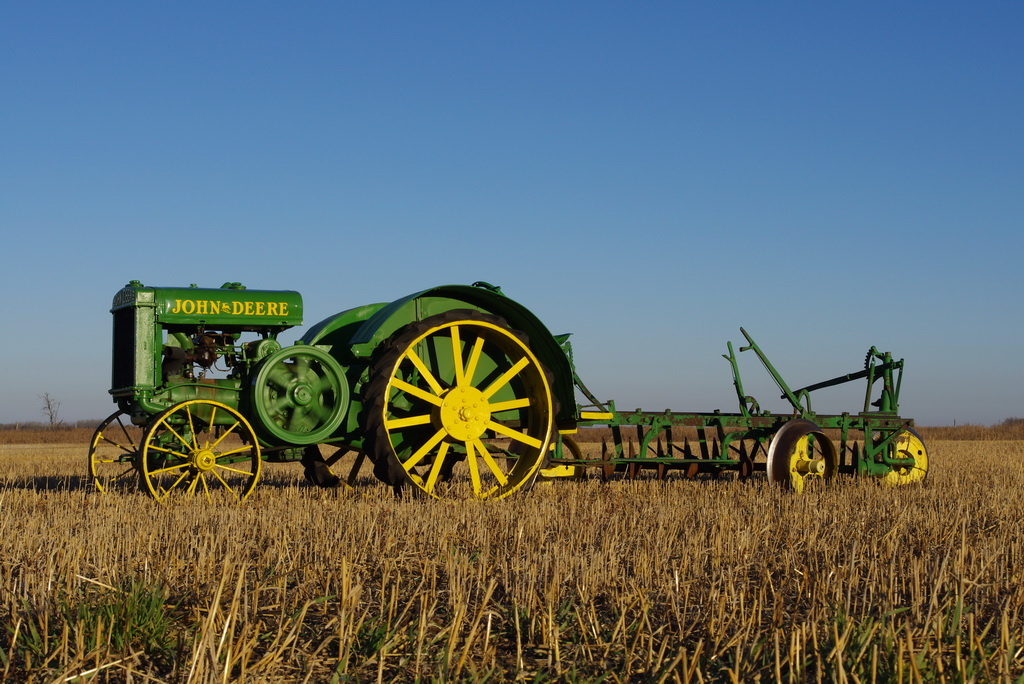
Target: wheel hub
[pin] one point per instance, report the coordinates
(204, 459)
(811, 466)
(465, 413)
(302, 395)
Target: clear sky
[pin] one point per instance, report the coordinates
(649, 176)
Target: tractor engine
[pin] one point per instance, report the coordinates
(179, 344)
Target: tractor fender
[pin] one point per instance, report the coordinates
(335, 332)
(382, 321)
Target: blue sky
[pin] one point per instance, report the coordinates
(649, 176)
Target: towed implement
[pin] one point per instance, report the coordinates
(453, 391)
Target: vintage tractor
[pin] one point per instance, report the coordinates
(453, 391)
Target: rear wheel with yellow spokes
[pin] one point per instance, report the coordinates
(200, 447)
(458, 406)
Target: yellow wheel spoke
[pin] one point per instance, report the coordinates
(191, 426)
(424, 371)
(247, 473)
(399, 423)
(224, 482)
(525, 402)
(174, 485)
(460, 371)
(213, 415)
(489, 460)
(192, 485)
(435, 469)
(119, 446)
(416, 391)
(474, 468)
(223, 436)
(474, 359)
(239, 450)
(172, 452)
(169, 469)
(413, 460)
(184, 442)
(506, 377)
(515, 434)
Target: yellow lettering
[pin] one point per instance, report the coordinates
(212, 307)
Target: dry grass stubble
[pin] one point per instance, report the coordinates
(680, 581)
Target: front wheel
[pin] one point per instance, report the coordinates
(113, 452)
(200, 447)
(458, 405)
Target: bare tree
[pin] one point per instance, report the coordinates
(51, 407)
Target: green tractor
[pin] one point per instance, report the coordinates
(454, 380)
(456, 391)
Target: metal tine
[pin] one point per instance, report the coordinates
(703, 440)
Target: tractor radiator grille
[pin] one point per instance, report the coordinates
(123, 362)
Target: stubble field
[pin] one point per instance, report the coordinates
(574, 581)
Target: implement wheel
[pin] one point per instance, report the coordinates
(908, 444)
(458, 387)
(801, 456)
(570, 449)
(113, 452)
(200, 446)
(299, 395)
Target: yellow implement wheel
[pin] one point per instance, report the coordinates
(570, 449)
(113, 452)
(908, 444)
(801, 456)
(200, 446)
(458, 405)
